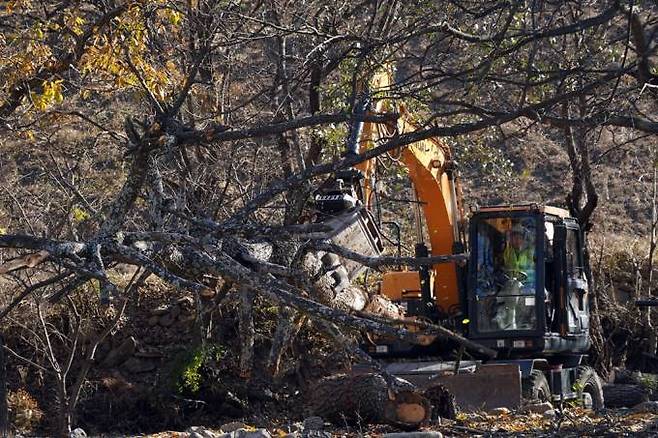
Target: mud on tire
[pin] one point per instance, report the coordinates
(535, 388)
(587, 381)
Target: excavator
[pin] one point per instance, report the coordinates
(522, 290)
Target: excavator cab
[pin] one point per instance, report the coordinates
(527, 284)
(526, 297)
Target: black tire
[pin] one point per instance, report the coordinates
(535, 388)
(587, 381)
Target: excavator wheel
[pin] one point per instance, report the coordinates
(588, 382)
(535, 388)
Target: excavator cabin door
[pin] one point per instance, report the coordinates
(573, 288)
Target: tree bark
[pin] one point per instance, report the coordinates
(624, 396)
(247, 332)
(4, 410)
(288, 325)
(369, 398)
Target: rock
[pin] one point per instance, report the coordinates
(159, 311)
(244, 433)
(312, 423)
(312, 428)
(201, 432)
(538, 408)
(77, 433)
(136, 366)
(167, 320)
(499, 411)
(314, 434)
(428, 434)
(550, 414)
(647, 406)
(120, 354)
(232, 426)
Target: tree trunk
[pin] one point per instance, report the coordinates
(247, 332)
(624, 396)
(288, 325)
(65, 418)
(4, 410)
(369, 398)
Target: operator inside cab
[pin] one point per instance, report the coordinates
(506, 272)
(518, 256)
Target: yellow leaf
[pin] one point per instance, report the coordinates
(79, 214)
(3, 230)
(174, 17)
(77, 25)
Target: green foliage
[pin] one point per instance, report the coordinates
(334, 137)
(649, 381)
(489, 161)
(578, 388)
(187, 375)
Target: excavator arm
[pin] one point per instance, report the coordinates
(436, 188)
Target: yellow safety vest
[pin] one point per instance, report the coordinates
(517, 261)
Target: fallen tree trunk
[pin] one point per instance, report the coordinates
(624, 396)
(284, 293)
(369, 398)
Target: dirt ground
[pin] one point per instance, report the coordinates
(571, 422)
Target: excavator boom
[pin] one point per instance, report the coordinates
(434, 180)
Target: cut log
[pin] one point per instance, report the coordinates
(624, 396)
(352, 298)
(384, 307)
(369, 398)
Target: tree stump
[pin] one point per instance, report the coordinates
(369, 398)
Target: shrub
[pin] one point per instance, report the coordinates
(188, 375)
(24, 411)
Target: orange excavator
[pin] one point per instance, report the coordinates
(523, 291)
